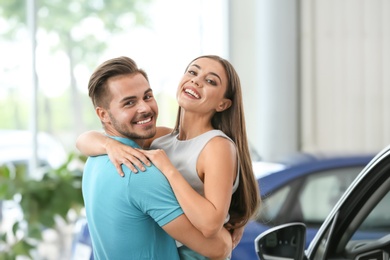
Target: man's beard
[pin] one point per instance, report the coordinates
(123, 130)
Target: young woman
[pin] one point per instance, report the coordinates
(205, 157)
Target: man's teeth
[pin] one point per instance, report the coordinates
(144, 121)
(192, 93)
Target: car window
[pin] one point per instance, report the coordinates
(321, 191)
(378, 221)
(362, 222)
(272, 204)
(372, 232)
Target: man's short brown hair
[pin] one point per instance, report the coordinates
(97, 86)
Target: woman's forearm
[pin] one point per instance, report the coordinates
(204, 214)
(92, 143)
(207, 213)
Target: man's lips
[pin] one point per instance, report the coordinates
(144, 121)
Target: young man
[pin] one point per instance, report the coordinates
(137, 216)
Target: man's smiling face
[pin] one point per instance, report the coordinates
(132, 111)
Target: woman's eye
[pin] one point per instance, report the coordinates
(212, 82)
(192, 72)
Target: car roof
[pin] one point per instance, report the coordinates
(294, 169)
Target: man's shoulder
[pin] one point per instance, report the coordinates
(150, 172)
(97, 159)
(152, 177)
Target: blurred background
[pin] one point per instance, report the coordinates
(315, 74)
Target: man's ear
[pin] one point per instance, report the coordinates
(102, 114)
(224, 104)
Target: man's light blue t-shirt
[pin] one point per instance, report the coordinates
(125, 214)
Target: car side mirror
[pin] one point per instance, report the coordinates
(285, 241)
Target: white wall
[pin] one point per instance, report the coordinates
(264, 49)
(315, 74)
(345, 75)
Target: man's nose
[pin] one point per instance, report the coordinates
(143, 107)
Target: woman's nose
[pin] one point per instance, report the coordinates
(195, 81)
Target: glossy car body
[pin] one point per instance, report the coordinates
(304, 191)
(358, 227)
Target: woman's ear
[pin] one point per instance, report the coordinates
(224, 104)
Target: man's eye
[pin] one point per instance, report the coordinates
(129, 103)
(148, 96)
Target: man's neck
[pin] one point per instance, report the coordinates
(139, 142)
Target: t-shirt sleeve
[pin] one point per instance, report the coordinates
(151, 192)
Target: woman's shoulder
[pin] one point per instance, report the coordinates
(216, 140)
(218, 133)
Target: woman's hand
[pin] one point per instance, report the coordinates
(236, 234)
(160, 159)
(120, 153)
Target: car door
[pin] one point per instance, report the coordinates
(359, 226)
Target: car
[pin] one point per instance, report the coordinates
(15, 153)
(81, 242)
(16, 150)
(358, 226)
(303, 188)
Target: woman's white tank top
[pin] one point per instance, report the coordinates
(184, 155)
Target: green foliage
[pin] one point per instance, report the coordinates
(40, 201)
(80, 29)
(64, 18)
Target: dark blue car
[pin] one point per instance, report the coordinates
(358, 226)
(304, 191)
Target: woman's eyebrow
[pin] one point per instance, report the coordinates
(195, 65)
(215, 74)
(212, 73)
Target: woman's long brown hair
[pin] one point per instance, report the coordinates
(246, 200)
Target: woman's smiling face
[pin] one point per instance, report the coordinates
(203, 86)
